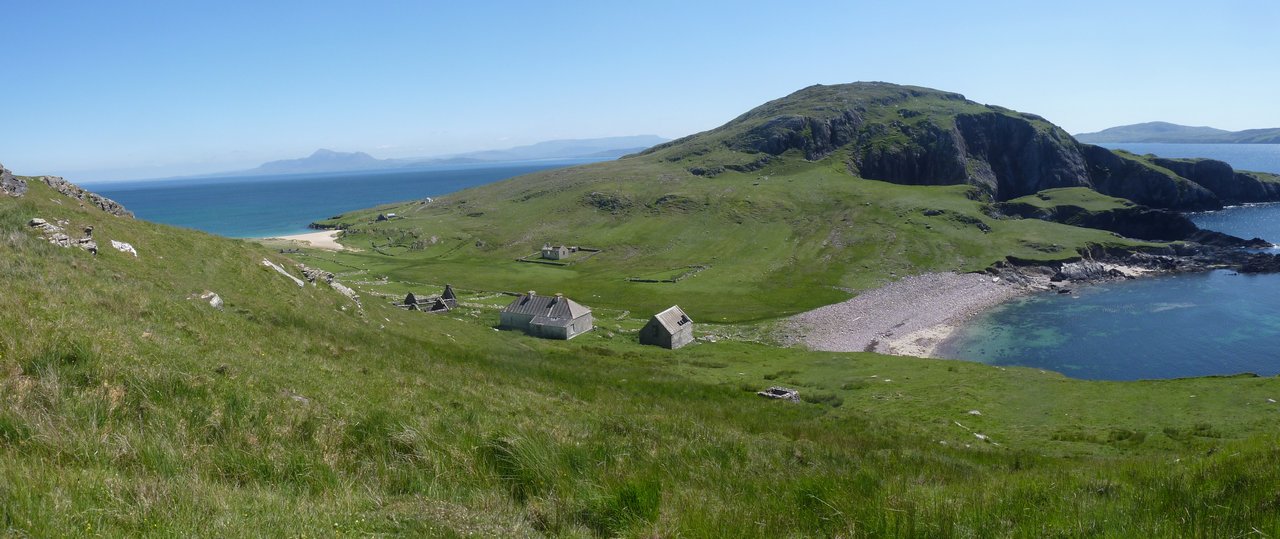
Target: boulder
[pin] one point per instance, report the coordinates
(10, 184)
(124, 247)
(214, 299)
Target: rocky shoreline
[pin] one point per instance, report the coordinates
(916, 315)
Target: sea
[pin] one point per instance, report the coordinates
(1215, 323)
(239, 206)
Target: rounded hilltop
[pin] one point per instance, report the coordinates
(921, 136)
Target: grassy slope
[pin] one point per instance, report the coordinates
(1080, 197)
(128, 409)
(778, 241)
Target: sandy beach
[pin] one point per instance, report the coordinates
(907, 317)
(324, 239)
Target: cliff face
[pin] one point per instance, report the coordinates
(918, 136)
(1230, 186)
(1126, 177)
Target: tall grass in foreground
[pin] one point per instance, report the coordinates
(128, 409)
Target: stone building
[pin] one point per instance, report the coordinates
(549, 317)
(671, 329)
(555, 252)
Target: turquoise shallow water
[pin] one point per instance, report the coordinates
(1162, 327)
(1214, 323)
(260, 206)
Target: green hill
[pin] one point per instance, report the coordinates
(1166, 132)
(783, 209)
(130, 406)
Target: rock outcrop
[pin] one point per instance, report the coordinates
(1125, 177)
(10, 184)
(57, 235)
(1229, 185)
(1135, 221)
(919, 136)
(79, 193)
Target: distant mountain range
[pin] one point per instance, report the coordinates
(330, 161)
(1180, 134)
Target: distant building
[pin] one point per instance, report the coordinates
(671, 329)
(448, 297)
(555, 252)
(549, 317)
(443, 303)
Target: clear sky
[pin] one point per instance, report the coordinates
(112, 90)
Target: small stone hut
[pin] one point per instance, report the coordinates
(555, 252)
(670, 329)
(549, 317)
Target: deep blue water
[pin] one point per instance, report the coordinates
(260, 206)
(1215, 323)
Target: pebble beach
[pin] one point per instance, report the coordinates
(911, 316)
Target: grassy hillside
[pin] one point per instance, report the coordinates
(788, 238)
(130, 409)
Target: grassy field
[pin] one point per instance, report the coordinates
(127, 408)
(1080, 197)
(786, 239)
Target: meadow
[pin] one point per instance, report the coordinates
(128, 408)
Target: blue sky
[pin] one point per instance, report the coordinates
(113, 90)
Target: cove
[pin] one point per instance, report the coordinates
(1215, 323)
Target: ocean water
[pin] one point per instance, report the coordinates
(1215, 323)
(260, 206)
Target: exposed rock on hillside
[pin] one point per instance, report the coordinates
(57, 235)
(1127, 177)
(75, 191)
(1135, 221)
(11, 185)
(1230, 186)
(919, 136)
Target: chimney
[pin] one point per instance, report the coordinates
(559, 295)
(531, 293)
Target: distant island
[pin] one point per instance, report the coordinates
(1180, 134)
(324, 160)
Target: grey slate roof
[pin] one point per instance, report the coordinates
(673, 319)
(551, 307)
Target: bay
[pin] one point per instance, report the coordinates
(275, 205)
(1215, 323)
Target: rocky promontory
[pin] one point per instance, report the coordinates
(919, 136)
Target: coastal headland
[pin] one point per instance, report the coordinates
(197, 372)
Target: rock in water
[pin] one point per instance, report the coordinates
(10, 185)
